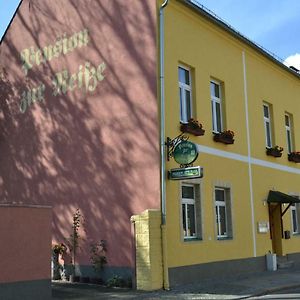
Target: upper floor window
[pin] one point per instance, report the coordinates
(185, 94)
(268, 126)
(191, 216)
(223, 212)
(216, 106)
(289, 133)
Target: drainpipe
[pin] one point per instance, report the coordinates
(162, 146)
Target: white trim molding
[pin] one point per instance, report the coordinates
(244, 158)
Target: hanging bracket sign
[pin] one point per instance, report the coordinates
(185, 153)
(186, 173)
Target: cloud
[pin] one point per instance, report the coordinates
(293, 60)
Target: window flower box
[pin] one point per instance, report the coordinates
(225, 137)
(193, 127)
(294, 156)
(275, 151)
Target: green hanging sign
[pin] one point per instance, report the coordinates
(185, 153)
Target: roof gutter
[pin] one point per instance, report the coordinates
(237, 35)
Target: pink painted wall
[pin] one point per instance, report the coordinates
(96, 145)
(25, 235)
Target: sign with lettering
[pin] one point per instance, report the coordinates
(262, 227)
(63, 45)
(86, 78)
(186, 173)
(185, 153)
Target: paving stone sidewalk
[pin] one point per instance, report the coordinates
(241, 287)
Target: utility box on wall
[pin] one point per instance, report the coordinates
(287, 234)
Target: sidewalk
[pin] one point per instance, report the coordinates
(238, 288)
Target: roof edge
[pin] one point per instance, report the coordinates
(221, 24)
(9, 24)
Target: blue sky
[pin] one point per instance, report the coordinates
(7, 9)
(273, 24)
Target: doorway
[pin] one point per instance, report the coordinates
(275, 213)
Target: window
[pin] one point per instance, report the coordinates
(267, 123)
(223, 213)
(289, 133)
(191, 215)
(185, 94)
(216, 106)
(295, 213)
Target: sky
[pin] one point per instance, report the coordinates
(273, 24)
(7, 9)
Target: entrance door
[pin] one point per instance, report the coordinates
(275, 212)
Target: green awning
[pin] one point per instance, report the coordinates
(278, 197)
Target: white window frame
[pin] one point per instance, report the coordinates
(196, 201)
(268, 120)
(183, 87)
(214, 101)
(219, 204)
(227, 204)
(294, 214)
(289, 132)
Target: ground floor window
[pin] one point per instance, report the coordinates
(223, 213)
(295, 218)
(191, 212)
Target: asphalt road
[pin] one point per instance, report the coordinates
(282, 295)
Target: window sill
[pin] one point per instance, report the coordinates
(192, 239)
(296, 234)
(294, 158)
(274, 152)
(225, 238)
(220, 137)
(192, 129)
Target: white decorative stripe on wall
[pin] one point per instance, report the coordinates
(244, 158)
(221, 153)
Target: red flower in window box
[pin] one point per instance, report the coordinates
(225, 137)
(193, 127)
(294, 156)
(274, 151)
(59, 248)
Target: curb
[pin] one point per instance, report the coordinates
(272, 290)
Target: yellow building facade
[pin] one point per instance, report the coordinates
(248, 104)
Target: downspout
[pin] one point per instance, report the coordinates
(162, 146)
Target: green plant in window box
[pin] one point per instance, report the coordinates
(294, 156)
(274, 151)
(225, 137)
(193, 126)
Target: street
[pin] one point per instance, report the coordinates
(283, 294)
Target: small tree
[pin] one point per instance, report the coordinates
(98, 255)
(73, 240)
